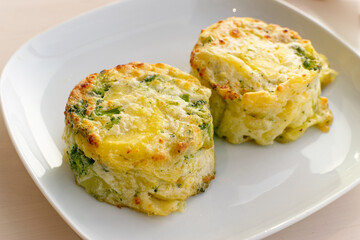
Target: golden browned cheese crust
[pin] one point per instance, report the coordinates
(140, 135)
(265, 79)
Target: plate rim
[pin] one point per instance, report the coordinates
(262, 234)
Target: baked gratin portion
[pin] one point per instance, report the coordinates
(266, 81)
(140, 135)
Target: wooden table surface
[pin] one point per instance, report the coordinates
(24, 211)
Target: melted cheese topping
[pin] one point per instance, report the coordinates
(143, 123)
(266, 81)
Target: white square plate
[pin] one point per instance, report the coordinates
(257, 190)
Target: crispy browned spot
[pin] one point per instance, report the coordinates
(137, 200)
(160, 65)
(208, 178)
(119, 67)
(268, 37)
(158, 156)
(225, 91)
(93, 140)
(84, 85)
(235, 33)
(202, 72)
(181, 146)
(139, 64)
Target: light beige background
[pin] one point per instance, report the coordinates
(26, 214)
